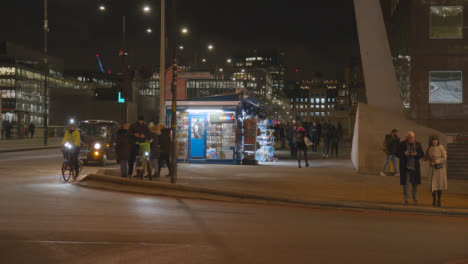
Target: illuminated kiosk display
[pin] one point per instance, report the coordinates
(210, 129)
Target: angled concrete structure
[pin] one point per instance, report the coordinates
(384, 109)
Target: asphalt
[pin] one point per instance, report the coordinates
(44, 220)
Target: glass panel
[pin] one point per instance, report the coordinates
(445, 87)
(446, 22)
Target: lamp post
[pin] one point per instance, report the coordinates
(46, 73)
(162, 66)
(174, 95)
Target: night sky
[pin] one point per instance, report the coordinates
(316, 35)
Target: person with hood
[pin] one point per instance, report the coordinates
(139, 132)
(123, 148)
(165, 148)
(410, 171)
(301, 146)
(155, 132)
(72, 136)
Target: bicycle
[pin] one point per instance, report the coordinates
(143, 162)
(68, 168)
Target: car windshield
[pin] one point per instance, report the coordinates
(98, 130)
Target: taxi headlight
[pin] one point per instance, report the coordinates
(97, 146)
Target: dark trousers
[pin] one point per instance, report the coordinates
(292, 148)
(283, 143)
(131, 161)
(334, 148)
(32, 133)
(123, 168)
(164, 158)
(76, 155)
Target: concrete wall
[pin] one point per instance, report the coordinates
(80, 105)
(379, 74)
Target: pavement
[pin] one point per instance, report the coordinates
(326, 183)
(44, 220)
(15, 145)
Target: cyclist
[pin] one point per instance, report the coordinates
(72, 136)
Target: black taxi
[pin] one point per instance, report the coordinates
(98, 140)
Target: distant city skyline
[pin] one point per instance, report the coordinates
(317, 37)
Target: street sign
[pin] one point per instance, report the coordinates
(120, 99)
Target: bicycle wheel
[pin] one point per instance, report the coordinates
(66, 171)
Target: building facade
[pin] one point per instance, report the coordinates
(428, 43)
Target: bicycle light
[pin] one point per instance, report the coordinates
(146, 153)
(97, 146)
(68, 145)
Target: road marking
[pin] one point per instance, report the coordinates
(99, 243)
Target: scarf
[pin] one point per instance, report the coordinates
(411, 164)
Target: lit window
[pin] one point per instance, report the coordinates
(446, 22)
(323, 100)
(445, 87)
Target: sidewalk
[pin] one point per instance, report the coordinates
(325, 180)
(28, 144)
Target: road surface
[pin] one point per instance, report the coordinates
(43, 220)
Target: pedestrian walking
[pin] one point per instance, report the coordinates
(391, 147)
(139, 132)
(301, 146)
(436, 156)
(335, 139)
(31, 129)
(315, 136)
(155, 149)
(8, 130)
(282, 133)
(410, 171)
(327, 132)
(292, 141)
(123, 148)
(165, 146)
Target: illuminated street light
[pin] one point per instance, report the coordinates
(181, 47)
(149, 30)
(210, 47)
(220, 69)
(102, 8)
(228, 60)
(146, 9)
(203, 60)
(184, 30)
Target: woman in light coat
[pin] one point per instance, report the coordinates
(436, 156)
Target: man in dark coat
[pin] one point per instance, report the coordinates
(31, 129)
(410, 171)
(123, 148)
(165, 145)
(139, 132)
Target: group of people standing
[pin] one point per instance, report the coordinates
(128, 139)
(302, 135)
(409, 152)
(7, 127)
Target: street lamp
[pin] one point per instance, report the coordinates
(181, 47)
(203, 60)
(221, 69)
(228, 60)
(210, 47)
(146, 9)
(184, 30)
(102, 8)
(149, 30)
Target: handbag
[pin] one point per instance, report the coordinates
(308, 142)
(438, 166)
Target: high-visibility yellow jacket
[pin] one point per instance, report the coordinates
(73, 138)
